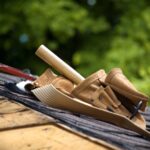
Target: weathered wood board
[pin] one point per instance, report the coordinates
(25, 129)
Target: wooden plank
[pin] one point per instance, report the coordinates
(10, 107)
(23, 119)
(26, 123)
(46, 137)
(14, 115)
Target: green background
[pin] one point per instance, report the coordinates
(87, 34)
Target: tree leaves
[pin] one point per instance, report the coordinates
(106, 34)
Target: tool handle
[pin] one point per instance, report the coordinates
(50, 58)
(16, 72)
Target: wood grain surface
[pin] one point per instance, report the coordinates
(24, 129)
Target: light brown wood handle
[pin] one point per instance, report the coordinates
(50, 58)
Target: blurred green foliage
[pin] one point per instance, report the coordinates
(87, 34)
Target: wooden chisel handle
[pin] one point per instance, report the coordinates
(50, 58)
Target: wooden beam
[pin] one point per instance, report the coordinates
(46, 137)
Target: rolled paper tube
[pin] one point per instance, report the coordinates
(50, 58)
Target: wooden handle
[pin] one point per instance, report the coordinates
(49, 57)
